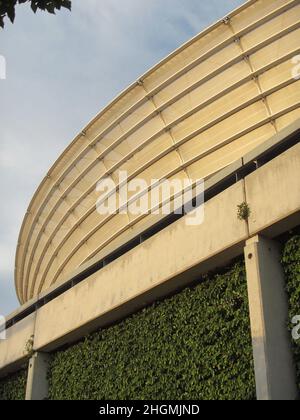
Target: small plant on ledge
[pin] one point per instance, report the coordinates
(29, 347)
(244, 211)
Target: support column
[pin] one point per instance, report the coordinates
(274, 369)
(37, 383)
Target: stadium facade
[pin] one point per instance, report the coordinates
(224, 108)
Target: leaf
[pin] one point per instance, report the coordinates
(7, 7)
(11, 13)
(34, 6)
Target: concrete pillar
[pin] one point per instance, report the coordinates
(274, 369)
(37, 383)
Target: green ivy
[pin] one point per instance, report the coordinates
(291, 265)
(13, 387)
(195, 345)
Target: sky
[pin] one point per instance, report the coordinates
(60, 72)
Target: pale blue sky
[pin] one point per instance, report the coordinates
(61, 70)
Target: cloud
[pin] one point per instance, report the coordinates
(60, 72)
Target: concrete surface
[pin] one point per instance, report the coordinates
(275, 372)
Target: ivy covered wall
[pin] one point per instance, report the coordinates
(13, 387)
(195, 345)
(291, 265)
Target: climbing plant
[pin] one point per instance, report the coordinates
(13, 387)
(194, 345)
(291, 265)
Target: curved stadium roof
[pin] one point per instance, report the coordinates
(210, 102)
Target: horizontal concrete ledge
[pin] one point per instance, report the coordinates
(273, 194)
(281, 226)
(13, 352)
(167, 289)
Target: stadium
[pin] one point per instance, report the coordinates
(225, 109)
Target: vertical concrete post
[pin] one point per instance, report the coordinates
(37, 383)
(274, 369)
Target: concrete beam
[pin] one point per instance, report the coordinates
(278, 181)
(37, 383)
(13, 348)
(274, 369)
